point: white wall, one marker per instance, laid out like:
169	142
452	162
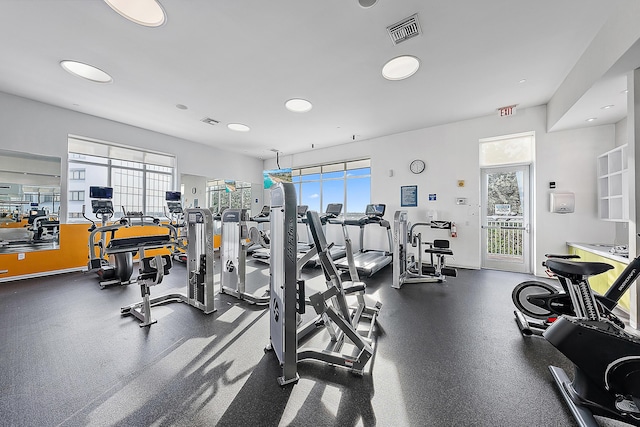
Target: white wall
195	189
34	127
451	153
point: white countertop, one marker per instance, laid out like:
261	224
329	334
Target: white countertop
601	249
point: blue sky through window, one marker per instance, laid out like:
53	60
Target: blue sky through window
317	190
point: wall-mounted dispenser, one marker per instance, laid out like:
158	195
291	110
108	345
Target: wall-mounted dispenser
562	202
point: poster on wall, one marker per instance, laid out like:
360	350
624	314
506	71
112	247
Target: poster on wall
276	175
409	196
229	186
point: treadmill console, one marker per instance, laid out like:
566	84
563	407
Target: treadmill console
333	210
264	215
302	210
375	210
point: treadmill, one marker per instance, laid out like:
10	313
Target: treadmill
258	251
368	261
330	216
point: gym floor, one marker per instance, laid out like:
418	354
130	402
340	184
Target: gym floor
447	355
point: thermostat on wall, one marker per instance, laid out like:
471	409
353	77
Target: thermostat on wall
562	202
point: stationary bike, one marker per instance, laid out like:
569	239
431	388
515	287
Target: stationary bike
606	358
545	303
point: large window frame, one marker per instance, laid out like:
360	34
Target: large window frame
346	182
139	178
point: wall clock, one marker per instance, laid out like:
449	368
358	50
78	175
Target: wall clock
417	166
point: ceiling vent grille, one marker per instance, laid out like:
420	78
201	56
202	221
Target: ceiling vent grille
405	29
210	121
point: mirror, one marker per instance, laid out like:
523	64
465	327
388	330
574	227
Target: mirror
29	202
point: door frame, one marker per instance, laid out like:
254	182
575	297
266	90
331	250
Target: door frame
525	265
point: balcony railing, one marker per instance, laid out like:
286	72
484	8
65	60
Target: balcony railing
505	237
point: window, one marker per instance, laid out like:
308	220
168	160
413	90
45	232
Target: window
348	183
75	196
228	194
507	150
139	178
77	174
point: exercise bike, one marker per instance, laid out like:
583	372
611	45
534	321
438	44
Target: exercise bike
544	303
606	358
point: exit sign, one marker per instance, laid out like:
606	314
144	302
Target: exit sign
507	111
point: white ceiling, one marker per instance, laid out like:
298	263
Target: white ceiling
239	61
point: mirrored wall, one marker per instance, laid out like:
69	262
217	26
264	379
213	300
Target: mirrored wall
29	202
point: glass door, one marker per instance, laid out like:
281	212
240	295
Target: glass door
505	219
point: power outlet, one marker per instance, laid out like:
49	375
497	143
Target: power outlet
20	256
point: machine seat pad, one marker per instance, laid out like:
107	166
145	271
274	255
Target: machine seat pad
49	223
136	242
439	251
353	287
564	267
149	270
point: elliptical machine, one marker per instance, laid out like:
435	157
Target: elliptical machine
110	273
176	218
606	358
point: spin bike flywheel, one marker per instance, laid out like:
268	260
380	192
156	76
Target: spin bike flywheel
521	293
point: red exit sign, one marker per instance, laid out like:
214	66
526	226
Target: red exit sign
507	111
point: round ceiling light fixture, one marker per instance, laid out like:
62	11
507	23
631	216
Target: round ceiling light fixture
401	67
367	3
143	12
298	105
86	71
238	127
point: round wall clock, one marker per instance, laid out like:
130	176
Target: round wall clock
417	166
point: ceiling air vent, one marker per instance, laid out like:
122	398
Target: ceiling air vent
210	121
405	29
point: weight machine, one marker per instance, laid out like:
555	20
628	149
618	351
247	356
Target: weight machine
233	257
407	268
200	274
287	295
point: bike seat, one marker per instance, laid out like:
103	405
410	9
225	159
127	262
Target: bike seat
562	256
564	267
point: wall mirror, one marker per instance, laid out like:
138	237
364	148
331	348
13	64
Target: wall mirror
29	202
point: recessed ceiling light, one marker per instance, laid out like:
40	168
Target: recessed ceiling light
522	81
181	107
298	105
401	67
367	3
144	12
625	91
590	119
86	71
238	127
606	107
